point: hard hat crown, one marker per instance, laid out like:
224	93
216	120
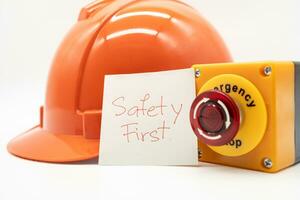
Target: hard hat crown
133	37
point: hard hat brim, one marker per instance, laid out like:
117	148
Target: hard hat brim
40	145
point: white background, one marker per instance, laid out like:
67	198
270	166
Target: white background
30	32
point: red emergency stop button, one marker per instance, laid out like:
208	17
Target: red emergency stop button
211	117
215	118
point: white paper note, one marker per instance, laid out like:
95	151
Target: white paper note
145	119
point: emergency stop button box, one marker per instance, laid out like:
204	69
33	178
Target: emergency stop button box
267	95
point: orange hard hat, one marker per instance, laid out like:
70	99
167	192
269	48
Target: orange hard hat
111	37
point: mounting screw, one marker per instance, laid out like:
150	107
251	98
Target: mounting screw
197	73
267	70
267	163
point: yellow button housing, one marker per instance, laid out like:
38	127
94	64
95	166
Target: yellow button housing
269	131
250	103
